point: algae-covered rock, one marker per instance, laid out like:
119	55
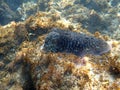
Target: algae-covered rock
25	66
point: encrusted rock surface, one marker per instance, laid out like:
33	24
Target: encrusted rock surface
24	66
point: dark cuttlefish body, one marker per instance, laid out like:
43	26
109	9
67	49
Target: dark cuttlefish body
75	43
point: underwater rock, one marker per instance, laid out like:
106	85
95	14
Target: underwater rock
93	4
77	43
20	33
95	22
30	68
14	4
7	43
6	14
